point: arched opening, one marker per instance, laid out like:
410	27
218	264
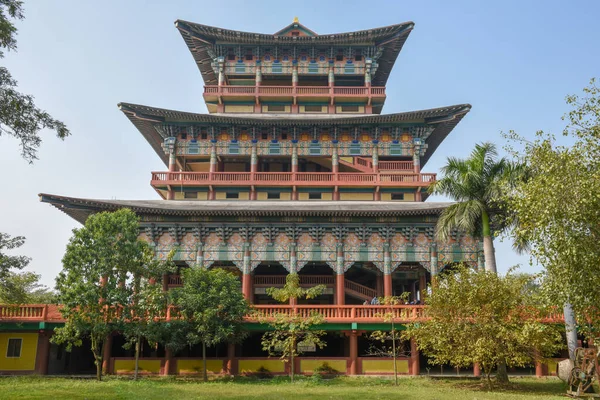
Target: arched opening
362	282
317	273
267	275
410	278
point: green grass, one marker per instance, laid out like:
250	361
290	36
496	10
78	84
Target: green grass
278	388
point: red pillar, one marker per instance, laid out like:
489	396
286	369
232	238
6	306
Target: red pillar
476	370
247	287
43	350
379	284
387	285
353	353
106	354
340	293
414	358
165	282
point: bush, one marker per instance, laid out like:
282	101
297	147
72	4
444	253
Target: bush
261	373
325	370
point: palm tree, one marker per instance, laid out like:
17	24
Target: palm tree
476	184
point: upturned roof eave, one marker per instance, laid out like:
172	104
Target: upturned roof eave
199	37
443	118
80	209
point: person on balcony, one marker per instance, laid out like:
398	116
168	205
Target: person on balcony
375	301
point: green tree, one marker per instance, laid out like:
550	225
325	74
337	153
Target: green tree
9	262
481	317
19	116
476	184
148	304
289	330
558	207
212	304
92	286
23	288
393	335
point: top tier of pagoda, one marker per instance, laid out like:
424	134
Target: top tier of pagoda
294	70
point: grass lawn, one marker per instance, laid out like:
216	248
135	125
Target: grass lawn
279	388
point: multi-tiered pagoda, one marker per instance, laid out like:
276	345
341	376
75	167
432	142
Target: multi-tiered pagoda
294	170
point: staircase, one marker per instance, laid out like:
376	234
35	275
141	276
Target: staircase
358	163
359	291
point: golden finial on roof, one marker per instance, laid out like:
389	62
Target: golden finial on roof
296	21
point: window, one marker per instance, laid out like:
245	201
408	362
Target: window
203	136
273	196
349	108
13	349
264	136
284	136
397	196
184	136
295	33
314	196
249	57
339	57
232	195
276	108
313	108
231	57
358	57
190	195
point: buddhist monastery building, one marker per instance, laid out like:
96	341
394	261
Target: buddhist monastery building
293	169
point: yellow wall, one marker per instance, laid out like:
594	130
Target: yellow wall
273	365
239	108
326	196
144	366
310	365
356	196
409	197
202	195
28	352
384	366
195	366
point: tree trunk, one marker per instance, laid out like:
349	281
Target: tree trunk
98	352
293	345
571	329
488	243
394	354
137	359
204	374
501	373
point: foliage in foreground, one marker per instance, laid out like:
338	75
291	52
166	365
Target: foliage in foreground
481	317
476	184
558	208
19	116
101	267
290	331
213	309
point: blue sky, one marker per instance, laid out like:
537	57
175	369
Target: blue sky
514	61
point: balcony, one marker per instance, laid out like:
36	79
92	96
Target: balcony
216	93
331	313
306	179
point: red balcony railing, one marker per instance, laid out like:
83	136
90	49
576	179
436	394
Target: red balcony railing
326	91
331	313
347	179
